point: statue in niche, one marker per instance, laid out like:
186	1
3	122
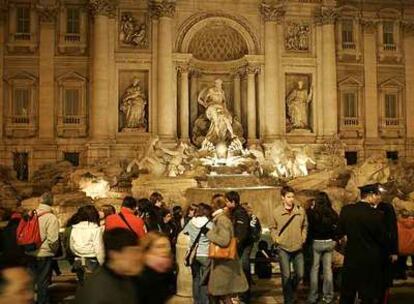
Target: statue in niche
297	103
133	33
133	104
297	37
216	125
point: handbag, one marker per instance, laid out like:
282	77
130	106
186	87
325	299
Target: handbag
191	253
223	253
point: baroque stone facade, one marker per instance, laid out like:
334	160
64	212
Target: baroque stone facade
66	67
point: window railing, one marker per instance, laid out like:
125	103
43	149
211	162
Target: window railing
72	119
348	45
350	121
390	47
20	119
392	122
22	36
72	37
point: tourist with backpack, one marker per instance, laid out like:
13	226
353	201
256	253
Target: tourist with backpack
38	233
127	218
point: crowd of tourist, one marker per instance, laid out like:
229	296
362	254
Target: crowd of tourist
129	256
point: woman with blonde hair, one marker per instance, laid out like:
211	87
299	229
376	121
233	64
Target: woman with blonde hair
227	279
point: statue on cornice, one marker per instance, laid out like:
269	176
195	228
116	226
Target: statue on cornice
298	106
133	104
220	129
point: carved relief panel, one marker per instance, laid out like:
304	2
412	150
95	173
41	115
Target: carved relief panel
299	98
134	30
297	37
133	101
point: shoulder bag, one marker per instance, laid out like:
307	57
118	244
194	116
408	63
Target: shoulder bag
223	253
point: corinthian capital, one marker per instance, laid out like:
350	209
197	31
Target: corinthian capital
162	8
272	12
327	15
252	68
103	7
47	13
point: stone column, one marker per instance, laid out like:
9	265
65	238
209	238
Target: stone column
236	95
184	103
371	81
167	109
154	79
101	9
112	114
409	85
329	88
272	14
251	71
47	16
195	74
260	101
3	12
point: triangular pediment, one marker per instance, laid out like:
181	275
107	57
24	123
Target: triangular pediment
22	75
349	11
391	83
350	81
71	76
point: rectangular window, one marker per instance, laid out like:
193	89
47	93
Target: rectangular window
388	33
72	157
73	21
23	20
21	165
391	107
347	32
351	157
350	105
21	105
71	106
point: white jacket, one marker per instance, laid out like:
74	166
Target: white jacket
86	241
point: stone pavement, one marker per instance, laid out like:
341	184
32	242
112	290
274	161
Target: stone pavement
263	291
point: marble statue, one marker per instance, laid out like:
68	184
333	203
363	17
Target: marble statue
133	104
133	33
214	100
158	160
302	158
298	106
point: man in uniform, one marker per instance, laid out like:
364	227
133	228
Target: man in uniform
365	261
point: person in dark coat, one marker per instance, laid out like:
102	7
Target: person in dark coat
365	259
113	282
392	243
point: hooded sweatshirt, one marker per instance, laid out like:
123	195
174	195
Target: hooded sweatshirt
193	228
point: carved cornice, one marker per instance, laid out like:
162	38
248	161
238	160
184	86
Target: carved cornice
47	13
272	12
369	25
103	7
408	27
162	8
327	15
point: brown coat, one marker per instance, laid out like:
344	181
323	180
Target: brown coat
226	276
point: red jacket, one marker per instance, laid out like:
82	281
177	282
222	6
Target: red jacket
136	223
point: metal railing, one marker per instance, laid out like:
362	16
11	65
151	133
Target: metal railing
72	37
22	36
392	122
72	119
350	121
390	47
348	45
20	119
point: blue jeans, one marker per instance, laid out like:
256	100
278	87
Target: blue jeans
198	269
41	269
322	250
290	281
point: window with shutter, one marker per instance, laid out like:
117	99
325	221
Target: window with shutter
21	106
71	106
73	21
